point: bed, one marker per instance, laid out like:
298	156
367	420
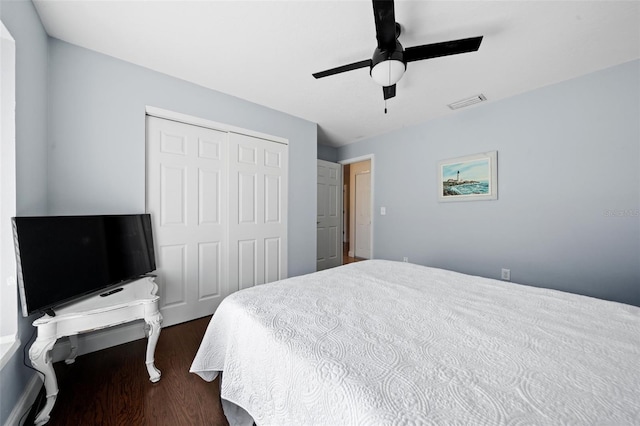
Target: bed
390	343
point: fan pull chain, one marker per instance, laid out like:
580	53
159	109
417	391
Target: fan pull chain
389	75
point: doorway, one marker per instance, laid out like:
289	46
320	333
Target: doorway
358	208
344	222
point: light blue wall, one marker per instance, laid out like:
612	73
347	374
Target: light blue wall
327	153
568	155
23	23
97	138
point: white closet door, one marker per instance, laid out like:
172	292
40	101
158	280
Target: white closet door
258	173
187	199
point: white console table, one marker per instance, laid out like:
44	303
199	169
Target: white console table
136	300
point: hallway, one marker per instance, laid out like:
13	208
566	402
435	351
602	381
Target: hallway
345	255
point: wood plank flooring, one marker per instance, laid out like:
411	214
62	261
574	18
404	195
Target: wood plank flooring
112	387
345	255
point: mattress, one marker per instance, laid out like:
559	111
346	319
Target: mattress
389	343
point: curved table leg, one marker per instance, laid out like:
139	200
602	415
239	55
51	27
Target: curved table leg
73	340
154	326
39	353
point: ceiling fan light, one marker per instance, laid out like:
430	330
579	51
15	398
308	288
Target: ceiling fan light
388	73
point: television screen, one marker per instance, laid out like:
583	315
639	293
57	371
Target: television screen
61	258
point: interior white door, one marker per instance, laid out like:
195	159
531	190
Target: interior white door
186	196
363	215
329	223
258	185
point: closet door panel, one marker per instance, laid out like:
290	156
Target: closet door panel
218	202
209	197
272	259
247	198
174	259
272	199
247	264
209	274
258	179
187	199
173	183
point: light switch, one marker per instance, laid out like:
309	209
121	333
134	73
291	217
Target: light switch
383	211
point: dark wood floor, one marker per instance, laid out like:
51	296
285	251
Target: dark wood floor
112	387
345	255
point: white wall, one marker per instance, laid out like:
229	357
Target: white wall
569	188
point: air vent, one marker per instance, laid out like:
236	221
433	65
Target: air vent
469	101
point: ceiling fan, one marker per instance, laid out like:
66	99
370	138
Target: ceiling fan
390	59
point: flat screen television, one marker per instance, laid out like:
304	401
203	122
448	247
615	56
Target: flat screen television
63	258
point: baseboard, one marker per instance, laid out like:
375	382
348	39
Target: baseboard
26	401
101	339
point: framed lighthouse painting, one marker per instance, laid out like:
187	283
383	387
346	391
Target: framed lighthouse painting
469	178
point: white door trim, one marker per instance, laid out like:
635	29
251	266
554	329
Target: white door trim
362	214
203	122
373	193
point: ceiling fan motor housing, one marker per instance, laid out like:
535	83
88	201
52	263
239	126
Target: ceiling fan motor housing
388	66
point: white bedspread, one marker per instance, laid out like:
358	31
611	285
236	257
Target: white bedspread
389	343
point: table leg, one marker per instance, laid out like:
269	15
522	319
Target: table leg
73	341
154	326
40	356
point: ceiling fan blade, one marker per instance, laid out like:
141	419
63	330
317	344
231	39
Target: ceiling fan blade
384	16
343	68
389	92
445	48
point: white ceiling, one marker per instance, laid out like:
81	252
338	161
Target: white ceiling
266	51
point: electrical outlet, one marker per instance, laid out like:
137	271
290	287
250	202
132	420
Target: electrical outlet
405	259
506	274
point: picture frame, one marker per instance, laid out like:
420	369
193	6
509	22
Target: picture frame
468	178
